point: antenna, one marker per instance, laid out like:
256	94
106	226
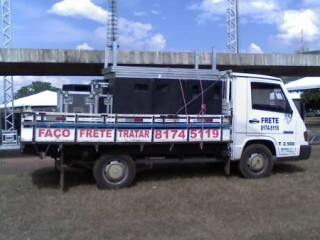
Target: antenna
9	135
232	26
113	33
302	41
7	80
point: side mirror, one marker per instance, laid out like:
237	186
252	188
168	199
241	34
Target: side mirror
288	109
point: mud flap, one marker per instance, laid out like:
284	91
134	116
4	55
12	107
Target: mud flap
61	168
227	167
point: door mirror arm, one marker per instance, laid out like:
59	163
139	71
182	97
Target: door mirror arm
288	110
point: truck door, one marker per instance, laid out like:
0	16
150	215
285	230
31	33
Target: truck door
270	116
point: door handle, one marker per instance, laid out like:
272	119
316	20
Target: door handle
254	121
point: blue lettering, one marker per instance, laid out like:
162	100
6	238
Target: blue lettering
270	120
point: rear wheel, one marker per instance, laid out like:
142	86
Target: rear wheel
256	161
114	171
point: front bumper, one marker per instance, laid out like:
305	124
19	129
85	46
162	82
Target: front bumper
305	152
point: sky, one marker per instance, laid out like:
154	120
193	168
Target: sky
266	26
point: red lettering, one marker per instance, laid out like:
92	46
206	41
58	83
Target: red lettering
57	133
108	133
126	133
82	132
193	133
166	134
135	133
146	134
41	132
120	131
182	134
208	133
157	134
54	133
66	133
174	131
95	133
141	134
201	133
89	133
215	133
131	134
48	133
100	133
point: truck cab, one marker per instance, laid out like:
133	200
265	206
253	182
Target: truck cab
266	122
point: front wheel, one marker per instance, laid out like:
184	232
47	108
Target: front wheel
256	162
114	171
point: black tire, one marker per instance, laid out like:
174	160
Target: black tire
114	171
256	162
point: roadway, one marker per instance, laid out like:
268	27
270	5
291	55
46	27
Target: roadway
59	62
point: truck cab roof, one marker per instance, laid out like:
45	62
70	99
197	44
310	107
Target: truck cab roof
265	77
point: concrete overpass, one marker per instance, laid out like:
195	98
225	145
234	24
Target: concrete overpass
90	63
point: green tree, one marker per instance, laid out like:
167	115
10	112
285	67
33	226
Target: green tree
33	88
311	99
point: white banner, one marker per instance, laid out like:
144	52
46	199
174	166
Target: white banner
95	135
134	135
55	134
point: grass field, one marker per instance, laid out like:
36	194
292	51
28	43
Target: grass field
171	202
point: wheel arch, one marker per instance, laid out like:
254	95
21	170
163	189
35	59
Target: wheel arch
268	143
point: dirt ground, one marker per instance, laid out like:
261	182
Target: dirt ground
168	202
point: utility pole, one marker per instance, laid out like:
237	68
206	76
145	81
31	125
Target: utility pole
9	135
113	32
233	26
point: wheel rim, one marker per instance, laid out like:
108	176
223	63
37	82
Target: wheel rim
115	172
256	162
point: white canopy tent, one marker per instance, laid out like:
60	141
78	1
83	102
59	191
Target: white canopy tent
295	95
304	84
43	99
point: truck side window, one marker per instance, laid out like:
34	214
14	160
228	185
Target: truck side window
268	97
164	88
140	87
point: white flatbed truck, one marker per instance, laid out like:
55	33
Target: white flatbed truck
258	126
